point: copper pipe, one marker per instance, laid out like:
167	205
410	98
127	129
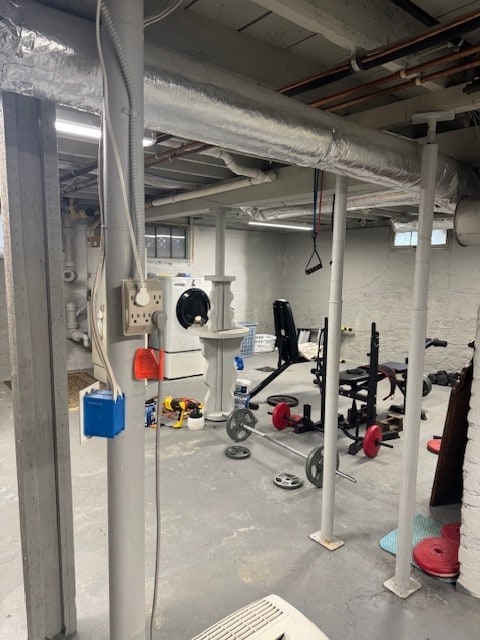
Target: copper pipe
342	69
423	37
158	158
392	52
443	73
401	73
76	173
178	152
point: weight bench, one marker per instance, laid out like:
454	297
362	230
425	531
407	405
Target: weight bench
286	341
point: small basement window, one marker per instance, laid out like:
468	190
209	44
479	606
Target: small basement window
166	243
410	238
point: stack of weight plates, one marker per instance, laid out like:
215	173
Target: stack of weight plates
439	556
434	445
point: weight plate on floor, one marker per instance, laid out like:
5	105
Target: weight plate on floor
287	481
292	401
237	452
437	557
236	422
314	466
373	436
434	445
280	416
427	386
451	531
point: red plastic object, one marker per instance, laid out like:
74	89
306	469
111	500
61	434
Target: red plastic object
437	557
280	416
371	441
434	445
146	366
451	531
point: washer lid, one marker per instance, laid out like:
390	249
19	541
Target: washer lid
192	303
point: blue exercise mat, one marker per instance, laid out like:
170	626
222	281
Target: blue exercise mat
423	527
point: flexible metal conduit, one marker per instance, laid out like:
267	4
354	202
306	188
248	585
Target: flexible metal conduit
200	102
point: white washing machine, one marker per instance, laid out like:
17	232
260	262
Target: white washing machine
185	302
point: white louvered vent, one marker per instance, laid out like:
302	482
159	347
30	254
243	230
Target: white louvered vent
268	619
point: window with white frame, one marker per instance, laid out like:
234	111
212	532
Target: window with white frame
163	242
410	238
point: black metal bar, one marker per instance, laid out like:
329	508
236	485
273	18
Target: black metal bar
373	376
269	379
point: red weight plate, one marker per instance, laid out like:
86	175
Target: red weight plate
280	416
434	445
437	557
373	436
451	531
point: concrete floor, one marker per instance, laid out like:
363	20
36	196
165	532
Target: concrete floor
230	536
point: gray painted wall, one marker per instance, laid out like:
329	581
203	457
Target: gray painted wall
378	287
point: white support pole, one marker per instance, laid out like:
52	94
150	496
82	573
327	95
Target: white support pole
220	243
126	452
402	584
325	536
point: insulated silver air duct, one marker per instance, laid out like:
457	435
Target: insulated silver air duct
364	202
52	55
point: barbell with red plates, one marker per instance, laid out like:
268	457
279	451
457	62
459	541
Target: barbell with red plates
240	426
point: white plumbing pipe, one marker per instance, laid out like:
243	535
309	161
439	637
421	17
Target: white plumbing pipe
325	535
222	187
69	272
73	331
232	164
402	584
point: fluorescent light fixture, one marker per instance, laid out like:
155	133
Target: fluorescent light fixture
87	131
275	225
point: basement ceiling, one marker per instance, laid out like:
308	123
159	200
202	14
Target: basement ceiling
279	47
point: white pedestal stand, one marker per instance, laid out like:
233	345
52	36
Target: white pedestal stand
220	344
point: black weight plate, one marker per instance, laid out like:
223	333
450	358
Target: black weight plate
287	481
236	421
292	401
237	452
314	466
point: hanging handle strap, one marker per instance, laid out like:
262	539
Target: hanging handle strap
314	262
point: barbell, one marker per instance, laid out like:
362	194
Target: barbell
240	426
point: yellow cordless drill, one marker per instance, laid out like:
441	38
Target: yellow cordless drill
182	405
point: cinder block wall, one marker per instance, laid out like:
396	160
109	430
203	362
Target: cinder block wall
378	287
253	257
469	554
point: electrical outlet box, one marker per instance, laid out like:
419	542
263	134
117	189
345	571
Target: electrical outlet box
102	415
138	320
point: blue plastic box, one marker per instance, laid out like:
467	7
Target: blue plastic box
102	415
